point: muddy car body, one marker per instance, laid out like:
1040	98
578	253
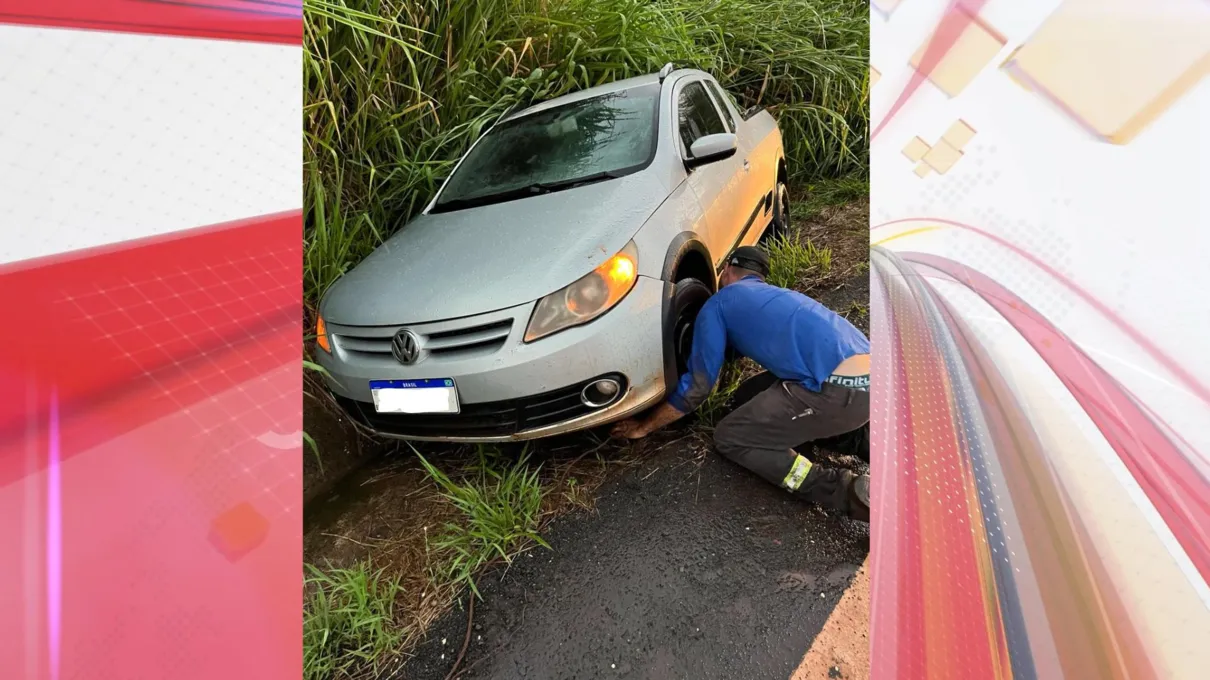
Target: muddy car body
551	284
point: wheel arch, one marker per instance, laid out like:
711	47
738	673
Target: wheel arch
687	257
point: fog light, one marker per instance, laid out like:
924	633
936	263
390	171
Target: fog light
601	393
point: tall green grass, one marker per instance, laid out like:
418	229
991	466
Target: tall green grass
500	504
790	260
348	621
809	200
716	405
395	90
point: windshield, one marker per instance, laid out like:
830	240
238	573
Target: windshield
590	140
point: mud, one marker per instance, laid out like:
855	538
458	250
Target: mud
341	449
690	568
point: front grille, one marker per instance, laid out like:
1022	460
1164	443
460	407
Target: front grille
490	419
452	343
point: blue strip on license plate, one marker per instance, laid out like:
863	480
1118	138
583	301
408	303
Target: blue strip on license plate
410	384
428	395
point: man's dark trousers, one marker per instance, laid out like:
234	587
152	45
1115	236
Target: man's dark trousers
771	417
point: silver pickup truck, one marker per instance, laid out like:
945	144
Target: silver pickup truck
552	283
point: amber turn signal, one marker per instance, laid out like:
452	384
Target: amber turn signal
321	336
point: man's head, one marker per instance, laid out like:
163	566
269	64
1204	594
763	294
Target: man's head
744	262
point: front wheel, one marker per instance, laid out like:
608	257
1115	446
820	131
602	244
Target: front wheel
687	300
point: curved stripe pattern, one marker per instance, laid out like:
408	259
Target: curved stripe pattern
985	562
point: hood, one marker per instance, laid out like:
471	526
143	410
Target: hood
466	262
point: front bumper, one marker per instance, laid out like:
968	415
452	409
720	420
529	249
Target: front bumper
509	390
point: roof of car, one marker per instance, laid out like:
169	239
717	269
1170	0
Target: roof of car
591	92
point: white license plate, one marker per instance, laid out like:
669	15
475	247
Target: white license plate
415	396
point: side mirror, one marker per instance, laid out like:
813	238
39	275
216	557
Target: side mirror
712	148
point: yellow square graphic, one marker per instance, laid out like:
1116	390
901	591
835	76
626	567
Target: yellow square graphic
874	76
1116	65
942	157
922	169
976	45
959	134
916	149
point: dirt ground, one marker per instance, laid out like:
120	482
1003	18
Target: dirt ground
845	230
611	528
842	647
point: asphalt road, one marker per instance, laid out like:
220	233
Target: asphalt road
682	572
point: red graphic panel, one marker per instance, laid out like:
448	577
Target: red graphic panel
150	497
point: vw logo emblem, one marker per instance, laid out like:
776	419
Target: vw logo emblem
406	347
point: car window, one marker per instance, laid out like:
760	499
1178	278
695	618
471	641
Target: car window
721	100
606	136
696	115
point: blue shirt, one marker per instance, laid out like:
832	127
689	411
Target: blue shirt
789	334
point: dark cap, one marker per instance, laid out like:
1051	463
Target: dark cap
750	257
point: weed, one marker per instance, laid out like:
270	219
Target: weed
500	508
715	407
314	446
310	441
857	309
790	260
348	620
577	495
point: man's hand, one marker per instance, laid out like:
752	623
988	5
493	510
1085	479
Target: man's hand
631	428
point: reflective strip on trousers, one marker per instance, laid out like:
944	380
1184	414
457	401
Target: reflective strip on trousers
797	473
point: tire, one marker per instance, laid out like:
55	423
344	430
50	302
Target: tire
687	300
780	225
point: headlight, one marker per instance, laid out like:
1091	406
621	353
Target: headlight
587	298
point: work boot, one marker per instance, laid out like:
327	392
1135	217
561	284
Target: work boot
859	499
837	488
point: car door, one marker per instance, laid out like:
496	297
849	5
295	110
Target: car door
718	185
758	174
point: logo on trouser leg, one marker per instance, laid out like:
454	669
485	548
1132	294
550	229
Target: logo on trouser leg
798	472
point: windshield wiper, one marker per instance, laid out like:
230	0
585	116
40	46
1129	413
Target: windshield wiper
578	181
487	199
535	189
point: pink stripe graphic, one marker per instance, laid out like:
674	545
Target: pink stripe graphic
54	541
1156	463
195	312
182	347
1151	348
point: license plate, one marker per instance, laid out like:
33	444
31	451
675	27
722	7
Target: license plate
415	396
